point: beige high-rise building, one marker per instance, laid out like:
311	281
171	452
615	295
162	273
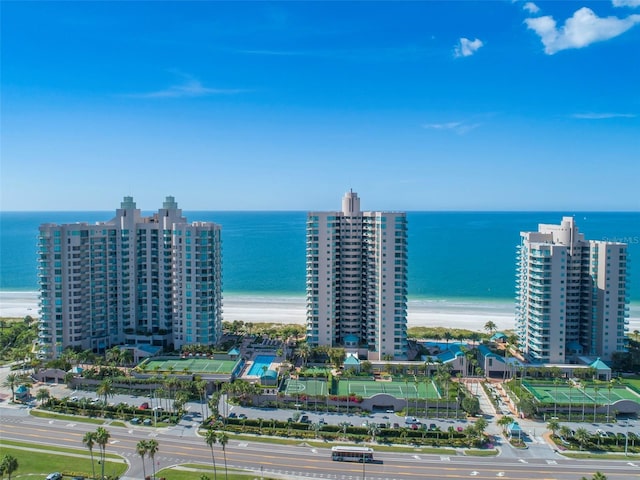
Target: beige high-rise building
572	295
357	280
132	280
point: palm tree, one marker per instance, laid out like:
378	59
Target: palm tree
373	431
564	431
570	404
152	448
504	422
89	440
223	439
595	401
141	449
554	426
11	382
102	438
609	387
490	327
8	465
42	395
582	436
211	438
105	389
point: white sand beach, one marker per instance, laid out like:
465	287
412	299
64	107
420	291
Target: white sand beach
434	313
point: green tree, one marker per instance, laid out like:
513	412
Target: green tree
554	426
102	438
337	356
142	449
89	440
471	405
105	389
42	395
504	422
211	439
8	465
490	327
223	439
12	382
582	436
152	449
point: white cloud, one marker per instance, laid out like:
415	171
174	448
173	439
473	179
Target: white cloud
458	127
191	87
581	30
531	7
601	116
626	3
466	47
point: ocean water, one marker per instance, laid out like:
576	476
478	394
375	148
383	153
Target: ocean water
453	256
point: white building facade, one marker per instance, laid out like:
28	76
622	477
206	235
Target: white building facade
572	296
133	280
357	280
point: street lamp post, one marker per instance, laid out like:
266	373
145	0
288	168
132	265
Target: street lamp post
626	440
363	464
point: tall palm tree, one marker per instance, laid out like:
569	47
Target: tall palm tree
89	440
11	382
105	389
223	439
504	422
102	438
142	449
582	436
152	448
609	387
490	327
42	395
211	439
570	404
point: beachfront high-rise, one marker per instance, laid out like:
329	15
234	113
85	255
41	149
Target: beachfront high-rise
572	295
357	280
133	280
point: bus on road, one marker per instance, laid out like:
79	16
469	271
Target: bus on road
352	454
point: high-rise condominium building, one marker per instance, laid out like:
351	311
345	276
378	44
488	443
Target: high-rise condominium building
132	280
357	280
572	295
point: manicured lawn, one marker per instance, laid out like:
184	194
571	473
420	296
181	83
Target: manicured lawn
195	471
40	460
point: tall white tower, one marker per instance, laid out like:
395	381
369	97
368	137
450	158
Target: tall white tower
571	295
132	280
357	280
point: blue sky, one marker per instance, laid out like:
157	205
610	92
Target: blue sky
495	105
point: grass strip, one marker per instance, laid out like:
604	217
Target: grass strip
32	461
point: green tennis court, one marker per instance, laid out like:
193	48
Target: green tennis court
368	388
191	365
305	386
550	393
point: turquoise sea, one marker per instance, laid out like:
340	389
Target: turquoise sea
452	255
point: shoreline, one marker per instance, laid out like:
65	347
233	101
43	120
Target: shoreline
260	308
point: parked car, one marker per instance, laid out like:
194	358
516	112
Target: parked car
305	419
242	415
233	415
144	406
411	420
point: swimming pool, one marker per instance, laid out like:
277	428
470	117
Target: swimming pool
258	363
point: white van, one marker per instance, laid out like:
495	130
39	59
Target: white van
411	421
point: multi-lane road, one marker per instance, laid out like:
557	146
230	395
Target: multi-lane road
181	444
